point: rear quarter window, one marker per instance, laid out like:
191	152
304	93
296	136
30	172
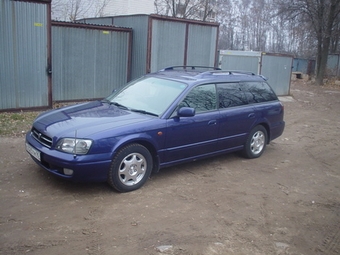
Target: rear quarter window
258	92
230	95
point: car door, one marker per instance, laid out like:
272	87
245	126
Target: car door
236	116
190	137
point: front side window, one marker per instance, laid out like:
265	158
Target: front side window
230	95
202	98
258	92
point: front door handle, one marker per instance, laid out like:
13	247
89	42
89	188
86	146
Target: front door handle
212	122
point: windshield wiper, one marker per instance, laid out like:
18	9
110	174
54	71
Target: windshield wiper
120	105
133	110
144	112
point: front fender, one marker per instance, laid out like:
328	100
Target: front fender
154	142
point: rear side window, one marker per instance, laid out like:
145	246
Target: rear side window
230	95
258	92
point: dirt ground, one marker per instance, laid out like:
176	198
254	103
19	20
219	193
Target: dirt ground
286	202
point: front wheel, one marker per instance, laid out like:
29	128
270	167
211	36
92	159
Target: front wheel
130	168
256	142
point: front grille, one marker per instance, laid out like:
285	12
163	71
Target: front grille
41	138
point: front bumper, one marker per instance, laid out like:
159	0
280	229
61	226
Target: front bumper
86	168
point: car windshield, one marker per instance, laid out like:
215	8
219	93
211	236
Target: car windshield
148	95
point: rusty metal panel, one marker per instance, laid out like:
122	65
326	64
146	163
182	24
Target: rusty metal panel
88	61
167	44
202	41
24	30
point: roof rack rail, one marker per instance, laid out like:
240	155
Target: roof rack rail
264	77
190	67
229	72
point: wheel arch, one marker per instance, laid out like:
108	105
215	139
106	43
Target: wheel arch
266	126
153	153
144	142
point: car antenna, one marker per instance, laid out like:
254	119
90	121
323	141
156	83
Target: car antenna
75	144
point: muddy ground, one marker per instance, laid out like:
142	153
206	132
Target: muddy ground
286	202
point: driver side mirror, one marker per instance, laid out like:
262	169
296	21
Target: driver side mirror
186	112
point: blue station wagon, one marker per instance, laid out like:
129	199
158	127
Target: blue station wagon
176	115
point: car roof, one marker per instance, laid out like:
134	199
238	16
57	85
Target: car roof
200	74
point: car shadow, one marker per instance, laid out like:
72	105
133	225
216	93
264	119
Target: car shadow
53	184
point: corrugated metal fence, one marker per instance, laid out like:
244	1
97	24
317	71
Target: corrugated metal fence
276	67
24	54
333	65
305	66
165	41
43	61
88	61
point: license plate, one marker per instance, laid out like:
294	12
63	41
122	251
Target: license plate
35	153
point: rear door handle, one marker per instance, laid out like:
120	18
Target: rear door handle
251	115
212	122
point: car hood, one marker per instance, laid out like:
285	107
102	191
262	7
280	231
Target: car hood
86	119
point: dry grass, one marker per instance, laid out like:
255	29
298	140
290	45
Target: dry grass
16	123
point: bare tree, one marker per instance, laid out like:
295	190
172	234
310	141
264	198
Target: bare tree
260	21
207	9
335	39
228	31
322	15
188	9
71	10
100	7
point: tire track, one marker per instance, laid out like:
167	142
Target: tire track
331	244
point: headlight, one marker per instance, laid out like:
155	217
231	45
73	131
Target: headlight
74	145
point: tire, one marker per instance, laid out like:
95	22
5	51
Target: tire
256	142
130	168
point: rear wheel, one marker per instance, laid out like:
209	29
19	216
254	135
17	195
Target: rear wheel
130	168
256	142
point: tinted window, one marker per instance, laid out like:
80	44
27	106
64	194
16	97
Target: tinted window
258	92
230	94
202	98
